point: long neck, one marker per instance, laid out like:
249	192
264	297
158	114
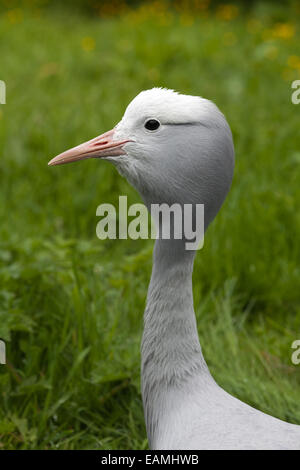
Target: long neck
171	352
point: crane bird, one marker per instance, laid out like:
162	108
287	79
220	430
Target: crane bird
176	148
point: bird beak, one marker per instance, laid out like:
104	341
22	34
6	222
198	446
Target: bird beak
101	146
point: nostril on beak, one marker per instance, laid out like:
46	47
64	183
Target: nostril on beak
102	142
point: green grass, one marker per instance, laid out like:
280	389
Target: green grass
71	305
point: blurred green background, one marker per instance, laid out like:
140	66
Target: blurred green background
71	305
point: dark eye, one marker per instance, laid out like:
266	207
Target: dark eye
152	124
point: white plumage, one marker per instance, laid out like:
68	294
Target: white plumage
188	158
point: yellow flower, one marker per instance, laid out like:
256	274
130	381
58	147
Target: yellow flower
15	16
201	4
294	62
186	19
88	44
283	31
227	12
113	8
165	19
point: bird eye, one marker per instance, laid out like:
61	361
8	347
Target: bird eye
152	124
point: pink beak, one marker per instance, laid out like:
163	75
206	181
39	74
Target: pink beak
101	146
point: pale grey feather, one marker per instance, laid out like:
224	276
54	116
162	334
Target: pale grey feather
188	163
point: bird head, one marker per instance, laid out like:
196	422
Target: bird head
172	148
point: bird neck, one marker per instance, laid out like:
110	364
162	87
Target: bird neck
171	351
